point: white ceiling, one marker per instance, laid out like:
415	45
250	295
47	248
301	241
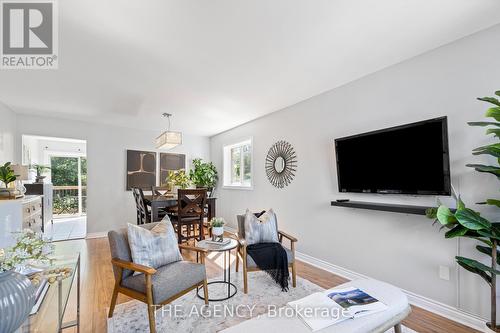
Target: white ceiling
219	63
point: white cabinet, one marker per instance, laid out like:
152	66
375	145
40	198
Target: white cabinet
44	189
19	214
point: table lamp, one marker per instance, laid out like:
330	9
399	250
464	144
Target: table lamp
22	173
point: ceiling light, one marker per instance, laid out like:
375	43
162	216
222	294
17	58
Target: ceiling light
168	139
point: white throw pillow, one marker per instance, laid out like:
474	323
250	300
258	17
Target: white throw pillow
262	229
153	248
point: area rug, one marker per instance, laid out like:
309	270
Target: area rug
189	314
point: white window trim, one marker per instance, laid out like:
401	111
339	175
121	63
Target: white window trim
226	149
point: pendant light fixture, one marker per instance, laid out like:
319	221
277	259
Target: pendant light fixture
168	139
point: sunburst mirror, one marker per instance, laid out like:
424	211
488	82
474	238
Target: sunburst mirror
281	164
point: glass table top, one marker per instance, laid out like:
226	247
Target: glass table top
46	319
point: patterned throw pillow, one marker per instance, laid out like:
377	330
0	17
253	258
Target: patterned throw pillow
154	248
262	229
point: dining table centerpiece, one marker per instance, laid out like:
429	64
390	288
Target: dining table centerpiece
178	179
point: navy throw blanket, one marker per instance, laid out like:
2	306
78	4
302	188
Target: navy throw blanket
271	258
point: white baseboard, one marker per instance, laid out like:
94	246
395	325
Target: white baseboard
96	235
425	303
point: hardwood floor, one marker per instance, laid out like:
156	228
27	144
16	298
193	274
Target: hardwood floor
97	285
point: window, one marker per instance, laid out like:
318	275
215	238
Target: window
238	165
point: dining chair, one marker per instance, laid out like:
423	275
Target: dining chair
163	191
190	214
159	190
143	213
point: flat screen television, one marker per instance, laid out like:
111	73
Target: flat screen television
407	159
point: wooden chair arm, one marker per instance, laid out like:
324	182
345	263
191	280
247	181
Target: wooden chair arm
233	235
192	248
242	242
133	267
284	234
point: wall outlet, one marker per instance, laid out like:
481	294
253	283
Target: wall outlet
444	273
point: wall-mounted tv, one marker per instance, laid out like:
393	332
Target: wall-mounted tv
407	159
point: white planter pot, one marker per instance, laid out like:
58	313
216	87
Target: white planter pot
217	231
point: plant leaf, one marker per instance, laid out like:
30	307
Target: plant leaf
488	234
491	100
475	267
493	150
483	123
494	145
485	168
493	202
445	216
457	231
497	92
493	113
477	264
487	250
479	238
471	220
460	203
431	213
495	131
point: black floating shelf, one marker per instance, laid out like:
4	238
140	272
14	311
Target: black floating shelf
406	209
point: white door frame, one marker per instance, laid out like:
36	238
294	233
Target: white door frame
48	154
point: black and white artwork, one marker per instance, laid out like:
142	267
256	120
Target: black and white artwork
141	169
170	162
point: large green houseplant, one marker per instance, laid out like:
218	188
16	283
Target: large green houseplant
203	174
465	222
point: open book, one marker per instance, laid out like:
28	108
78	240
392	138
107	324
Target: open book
320	310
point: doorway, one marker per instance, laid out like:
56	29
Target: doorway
65	163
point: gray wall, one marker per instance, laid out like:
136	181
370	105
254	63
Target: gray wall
7	134
109	205
402	249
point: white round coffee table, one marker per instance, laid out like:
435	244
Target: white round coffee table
226	250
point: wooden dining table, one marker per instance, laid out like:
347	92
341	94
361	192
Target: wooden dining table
158	202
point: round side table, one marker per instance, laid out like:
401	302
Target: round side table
226	251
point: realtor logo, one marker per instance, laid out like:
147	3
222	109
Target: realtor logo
29	34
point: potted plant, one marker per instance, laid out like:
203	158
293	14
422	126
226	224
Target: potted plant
178	179
7	177
204	174
40	170
465	222
217	225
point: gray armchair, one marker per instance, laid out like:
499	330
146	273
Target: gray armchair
155	287
249	264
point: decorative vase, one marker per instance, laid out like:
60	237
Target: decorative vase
17	298
20	187
217	231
